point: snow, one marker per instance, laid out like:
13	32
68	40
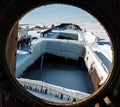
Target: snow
97	29
89	38
105	49
34	33
47	97
68	34
95	62
106	61
93	41
53	90
30	26
22	56
63	48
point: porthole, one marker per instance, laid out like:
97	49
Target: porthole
11	66
51	53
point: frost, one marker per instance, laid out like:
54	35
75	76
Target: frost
53	90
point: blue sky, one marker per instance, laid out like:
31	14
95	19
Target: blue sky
57	13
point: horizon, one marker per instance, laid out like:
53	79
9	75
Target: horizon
56	14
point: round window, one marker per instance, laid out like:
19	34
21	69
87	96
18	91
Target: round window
59	54
63	53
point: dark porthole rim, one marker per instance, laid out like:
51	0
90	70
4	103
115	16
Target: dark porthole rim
84	100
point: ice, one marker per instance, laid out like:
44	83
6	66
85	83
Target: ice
64	48
49	89
92	41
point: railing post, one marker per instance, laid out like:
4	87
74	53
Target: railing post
41	64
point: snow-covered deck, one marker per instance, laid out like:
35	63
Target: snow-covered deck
83	47
64	48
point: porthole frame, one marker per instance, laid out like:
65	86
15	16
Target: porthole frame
99	9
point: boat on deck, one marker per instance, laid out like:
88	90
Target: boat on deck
65	47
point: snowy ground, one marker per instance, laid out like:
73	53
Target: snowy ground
97	29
